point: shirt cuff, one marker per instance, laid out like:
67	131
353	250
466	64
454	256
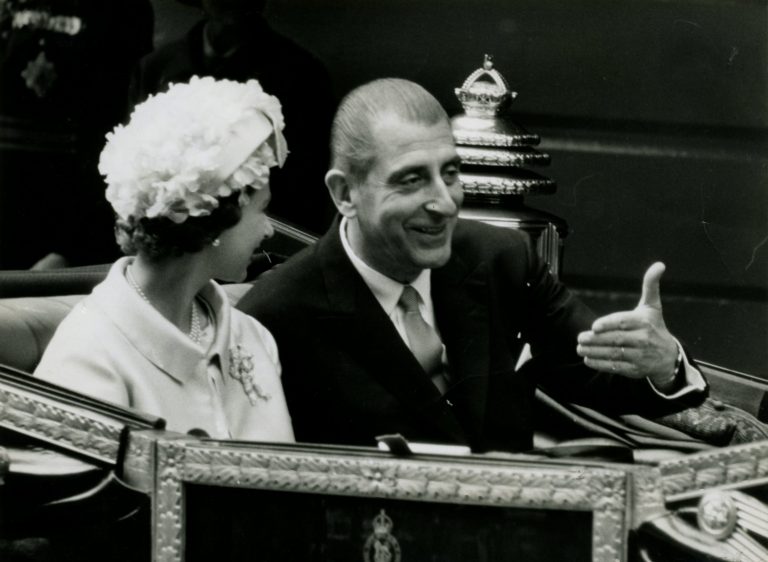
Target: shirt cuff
694	380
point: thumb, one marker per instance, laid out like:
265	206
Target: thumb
651	296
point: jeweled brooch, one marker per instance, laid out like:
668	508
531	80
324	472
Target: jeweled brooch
241	368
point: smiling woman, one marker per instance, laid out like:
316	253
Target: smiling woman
188	178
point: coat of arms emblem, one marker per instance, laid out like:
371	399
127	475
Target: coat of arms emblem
381	545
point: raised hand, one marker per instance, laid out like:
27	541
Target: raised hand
634	343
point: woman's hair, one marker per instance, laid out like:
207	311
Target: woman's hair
159	238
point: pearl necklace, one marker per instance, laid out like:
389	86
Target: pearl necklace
195	331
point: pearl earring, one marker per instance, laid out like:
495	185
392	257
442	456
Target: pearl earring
216	243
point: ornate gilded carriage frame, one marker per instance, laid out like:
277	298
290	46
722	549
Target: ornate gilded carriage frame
477	481
64	419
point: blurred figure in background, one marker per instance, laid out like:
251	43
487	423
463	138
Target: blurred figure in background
234	41
65	67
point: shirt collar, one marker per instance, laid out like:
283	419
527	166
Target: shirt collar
386	290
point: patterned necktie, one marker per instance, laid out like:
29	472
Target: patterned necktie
424	341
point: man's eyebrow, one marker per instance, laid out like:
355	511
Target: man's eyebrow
402	172
455	161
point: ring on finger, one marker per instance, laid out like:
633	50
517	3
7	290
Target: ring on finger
622	352
613	367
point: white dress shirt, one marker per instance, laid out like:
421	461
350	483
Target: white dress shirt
387	291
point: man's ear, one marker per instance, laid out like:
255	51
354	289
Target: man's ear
340	190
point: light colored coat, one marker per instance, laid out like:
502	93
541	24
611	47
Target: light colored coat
115	346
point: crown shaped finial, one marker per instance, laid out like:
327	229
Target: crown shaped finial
382	524
484	91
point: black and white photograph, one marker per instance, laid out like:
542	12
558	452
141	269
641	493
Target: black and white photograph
383	280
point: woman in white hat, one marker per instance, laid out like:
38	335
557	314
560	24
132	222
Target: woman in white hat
188	178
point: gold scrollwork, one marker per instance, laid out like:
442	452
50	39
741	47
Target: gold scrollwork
38	418
692	475
601	491
168	503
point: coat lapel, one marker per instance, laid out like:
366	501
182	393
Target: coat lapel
370	338
460	296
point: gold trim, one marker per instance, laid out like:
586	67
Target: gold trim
139	463
511	484
734	467
168	504
94	436
648	498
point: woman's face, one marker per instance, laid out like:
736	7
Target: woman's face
238	243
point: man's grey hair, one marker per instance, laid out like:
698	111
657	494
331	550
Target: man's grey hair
352	144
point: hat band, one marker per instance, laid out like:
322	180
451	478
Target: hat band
245	137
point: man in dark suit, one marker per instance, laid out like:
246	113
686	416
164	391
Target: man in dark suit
405	319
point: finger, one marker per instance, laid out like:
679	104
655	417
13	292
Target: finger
615	353
625	320
651	295
622	368
609	339
615	338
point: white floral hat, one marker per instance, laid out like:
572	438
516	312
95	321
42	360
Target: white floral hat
190	145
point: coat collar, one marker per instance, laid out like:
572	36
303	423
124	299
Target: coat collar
152	334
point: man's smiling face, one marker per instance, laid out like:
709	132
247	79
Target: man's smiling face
407	206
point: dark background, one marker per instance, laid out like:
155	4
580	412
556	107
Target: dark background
655	114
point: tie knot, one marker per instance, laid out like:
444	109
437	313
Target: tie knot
409	299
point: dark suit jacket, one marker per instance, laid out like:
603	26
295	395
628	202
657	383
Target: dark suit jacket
349	377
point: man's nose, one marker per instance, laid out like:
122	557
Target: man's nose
443	200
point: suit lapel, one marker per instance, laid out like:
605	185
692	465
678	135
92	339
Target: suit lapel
369	336
460	296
